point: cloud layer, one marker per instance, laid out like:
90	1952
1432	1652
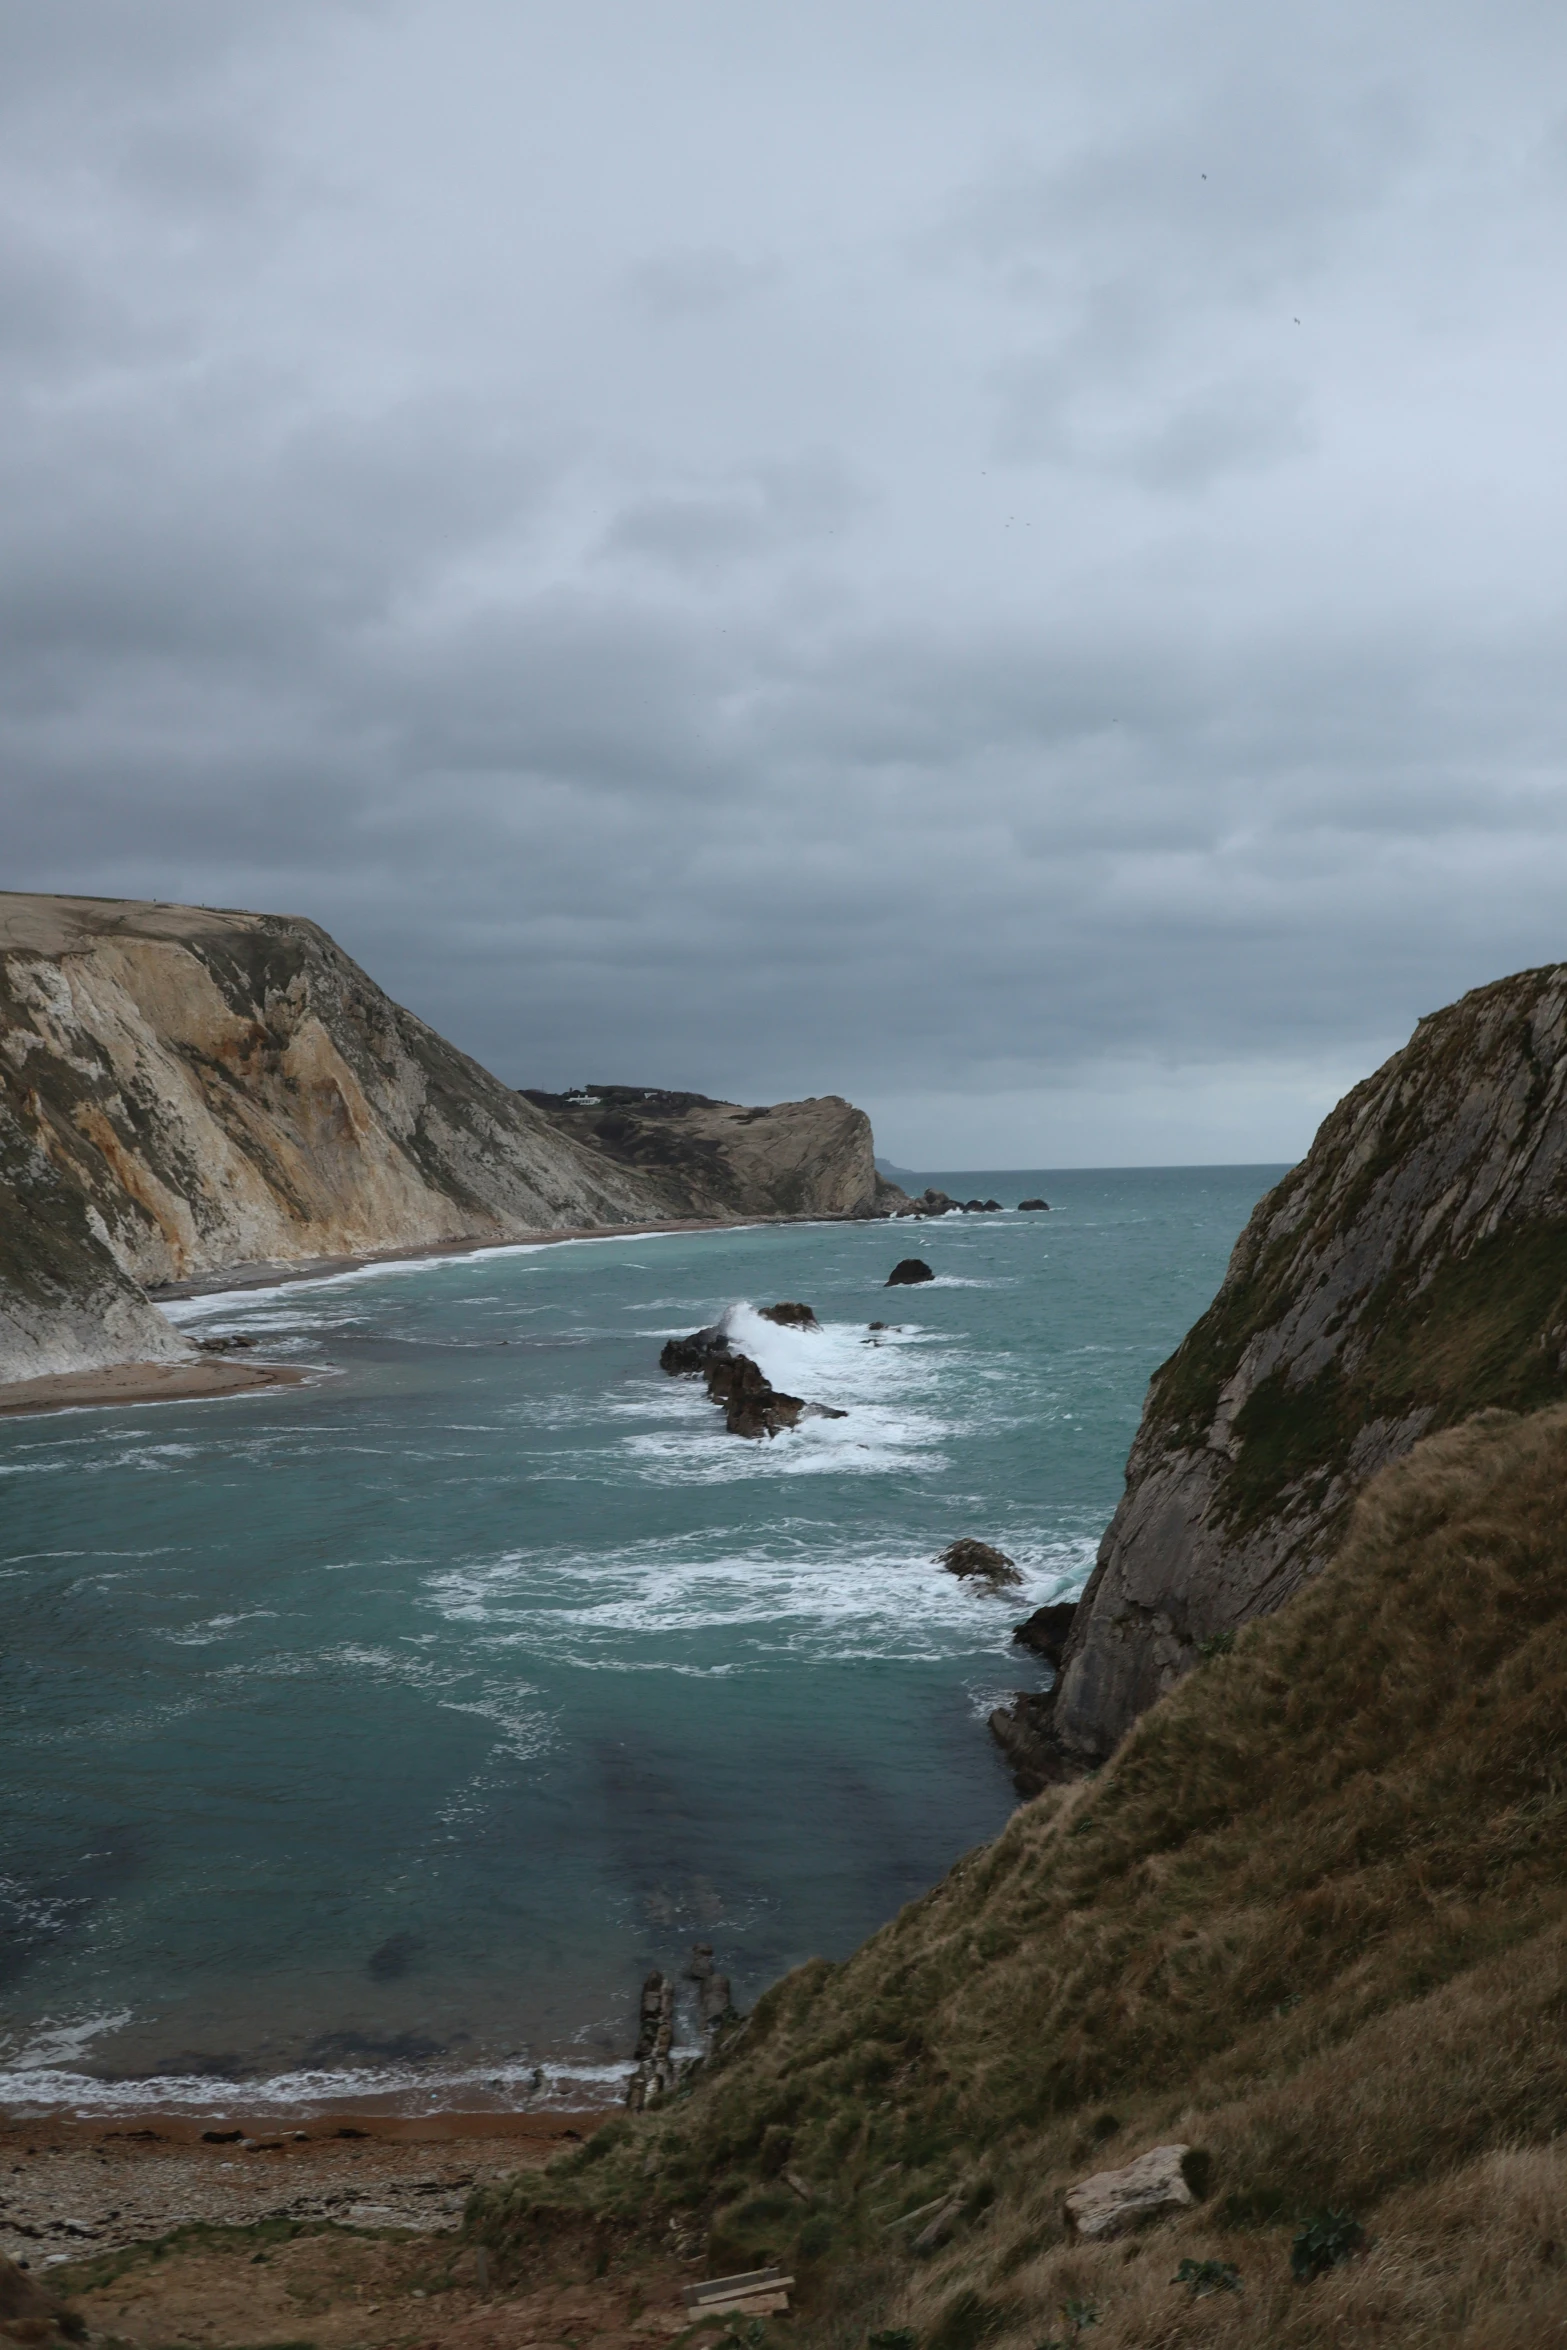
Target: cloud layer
1006	565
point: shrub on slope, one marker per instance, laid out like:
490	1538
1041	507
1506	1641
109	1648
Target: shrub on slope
1312	1919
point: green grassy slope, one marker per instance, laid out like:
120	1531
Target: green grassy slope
1311	1919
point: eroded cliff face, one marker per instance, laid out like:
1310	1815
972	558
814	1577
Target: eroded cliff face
722	1160
183	1089
1410	1272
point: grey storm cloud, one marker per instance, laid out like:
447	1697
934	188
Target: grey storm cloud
1008	566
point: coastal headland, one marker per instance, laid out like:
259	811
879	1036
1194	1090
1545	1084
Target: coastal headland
190	1093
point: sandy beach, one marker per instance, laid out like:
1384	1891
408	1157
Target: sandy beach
207	1380
265	1275
216	1379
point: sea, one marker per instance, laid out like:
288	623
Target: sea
369	1741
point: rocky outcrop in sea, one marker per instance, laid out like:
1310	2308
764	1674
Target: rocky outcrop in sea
752	1406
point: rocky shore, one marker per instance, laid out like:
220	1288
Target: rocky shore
74	2187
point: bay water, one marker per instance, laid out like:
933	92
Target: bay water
371	1739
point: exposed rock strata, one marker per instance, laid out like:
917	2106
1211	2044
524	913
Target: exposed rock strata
752	1405
1410	1272
1047	1630
183	1089
657	2068
722	1160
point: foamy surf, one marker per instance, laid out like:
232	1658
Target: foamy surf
497	1648
516	2085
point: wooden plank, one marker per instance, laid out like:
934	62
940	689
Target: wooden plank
750	2280
769	2304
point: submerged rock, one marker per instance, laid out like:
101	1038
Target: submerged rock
979	1560
907	1271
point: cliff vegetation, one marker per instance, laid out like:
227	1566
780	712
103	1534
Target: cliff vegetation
1311	1920
717	1160
1410	1271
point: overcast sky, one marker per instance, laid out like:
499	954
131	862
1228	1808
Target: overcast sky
1006	560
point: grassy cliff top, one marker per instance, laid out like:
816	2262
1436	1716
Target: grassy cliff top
35	924
1311	1920
1414	1262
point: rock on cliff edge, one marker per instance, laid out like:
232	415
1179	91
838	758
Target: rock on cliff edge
1411	1271
183	1089
720	1159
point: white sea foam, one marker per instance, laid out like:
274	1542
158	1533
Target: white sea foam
968	1281
188	1309
885	1381
37	2084
202	1634
611	1609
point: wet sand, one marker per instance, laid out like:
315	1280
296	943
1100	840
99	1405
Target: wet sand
202	1381
264	1275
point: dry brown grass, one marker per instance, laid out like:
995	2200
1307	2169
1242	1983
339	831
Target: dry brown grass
1312	1918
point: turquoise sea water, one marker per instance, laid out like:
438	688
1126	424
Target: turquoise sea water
377	1736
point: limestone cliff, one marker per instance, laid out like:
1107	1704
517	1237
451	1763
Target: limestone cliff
183	1089
722	1160
1411	1271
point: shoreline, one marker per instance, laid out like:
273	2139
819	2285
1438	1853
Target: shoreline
215	1380
315	2125
260	1274
80	2187
218	1381
204	1381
